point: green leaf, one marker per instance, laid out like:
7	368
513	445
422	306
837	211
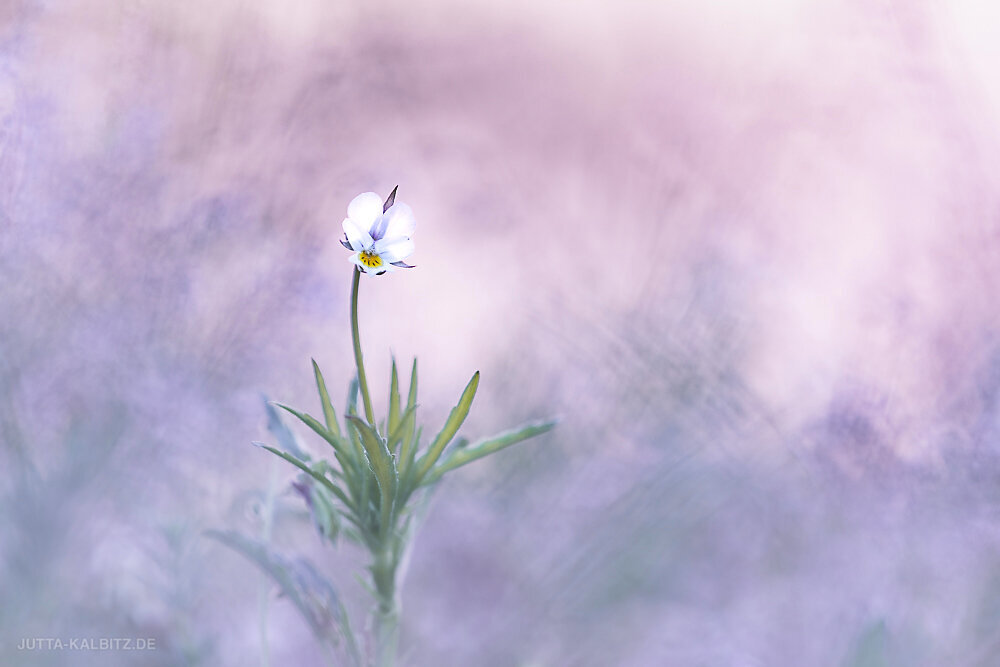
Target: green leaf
451	426
461	456
383	464
318	476
411	399
407	470
871	648
279	429
323	467
394	417
352	397
314	424
408	447
325	516
329	414
404	426
312	594
364	469
339	447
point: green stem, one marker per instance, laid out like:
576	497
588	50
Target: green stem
386	637
386	607
362	379
384	565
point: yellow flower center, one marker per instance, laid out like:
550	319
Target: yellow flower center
370	259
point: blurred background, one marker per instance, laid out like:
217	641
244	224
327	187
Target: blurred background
749	252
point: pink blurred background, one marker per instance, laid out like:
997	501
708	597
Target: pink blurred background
748	252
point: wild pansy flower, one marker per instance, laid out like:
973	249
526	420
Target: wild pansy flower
379	233
376	484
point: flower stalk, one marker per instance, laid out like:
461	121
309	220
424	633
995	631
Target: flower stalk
358	358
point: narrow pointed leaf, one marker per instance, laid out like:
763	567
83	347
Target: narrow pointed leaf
325	516
872	648
411	399
394	416
352	397
404	425
339	446
318	476
476	451
408	446
286	437
312	594
408	469
329	414
364	468
381	459
324	468
451	426
280	569
312	423
383	464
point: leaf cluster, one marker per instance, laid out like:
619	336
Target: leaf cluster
366	490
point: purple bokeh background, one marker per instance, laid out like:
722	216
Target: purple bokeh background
749	253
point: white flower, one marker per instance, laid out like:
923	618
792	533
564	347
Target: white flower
379	234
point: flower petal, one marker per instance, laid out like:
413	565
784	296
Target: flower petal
399	221
392	250
365	209
358	237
